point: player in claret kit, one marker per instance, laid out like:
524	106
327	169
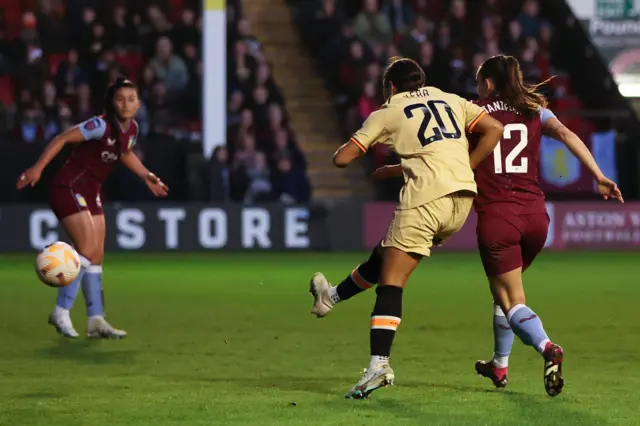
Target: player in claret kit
74	197
512	215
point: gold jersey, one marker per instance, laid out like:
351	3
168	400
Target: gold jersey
427	130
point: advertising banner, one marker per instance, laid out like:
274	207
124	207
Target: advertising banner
199	227
160	227
593	225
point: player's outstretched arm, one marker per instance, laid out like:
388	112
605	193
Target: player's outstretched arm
490	131
558	131
154	183
31	176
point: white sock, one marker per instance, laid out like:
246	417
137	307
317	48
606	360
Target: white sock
376	361
61	312
333	293
501	361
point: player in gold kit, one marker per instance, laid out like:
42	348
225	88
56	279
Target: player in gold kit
426	128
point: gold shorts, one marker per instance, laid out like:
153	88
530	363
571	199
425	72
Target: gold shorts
416	230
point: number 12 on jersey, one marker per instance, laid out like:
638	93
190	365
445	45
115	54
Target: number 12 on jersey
511	131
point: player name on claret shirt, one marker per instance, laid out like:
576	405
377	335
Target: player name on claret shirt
498	106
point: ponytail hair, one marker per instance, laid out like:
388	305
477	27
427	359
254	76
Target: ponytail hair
405	74
509	83
110	114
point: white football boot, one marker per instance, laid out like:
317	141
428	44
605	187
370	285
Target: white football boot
99	328
374	378
320	289
61	321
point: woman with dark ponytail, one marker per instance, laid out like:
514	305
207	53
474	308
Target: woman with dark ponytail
98	144
512	214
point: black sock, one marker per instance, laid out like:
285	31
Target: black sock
365	276
385	319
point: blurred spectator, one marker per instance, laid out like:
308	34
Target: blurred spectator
372	25
234	108
458	23
409	44
217	176
70	74
169	68
186	31
260	188
400	14
367	102
289	185
32	74
530	19
51	28
120	30
83	108
513	41
284	146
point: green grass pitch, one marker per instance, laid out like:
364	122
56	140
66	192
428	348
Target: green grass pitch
227	339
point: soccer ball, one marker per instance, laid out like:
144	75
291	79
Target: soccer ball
58	264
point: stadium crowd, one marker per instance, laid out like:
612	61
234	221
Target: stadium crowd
57	57
262	156
449	38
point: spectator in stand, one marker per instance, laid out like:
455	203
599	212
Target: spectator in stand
186	31
400	15
513	41
120	30
459	23
325	26
30	128
260	188
34	71
243	64
148	80
434	69
263	78
367	102
83	109
70	74
159	104
51	28
409	43
353	66
530	70
98	42
234	108
245	157
193	93
285	146
290	185
217	177
254	47
169	68
444	37
260	107
530	19
372	25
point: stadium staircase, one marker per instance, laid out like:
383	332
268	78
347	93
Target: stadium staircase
308	103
